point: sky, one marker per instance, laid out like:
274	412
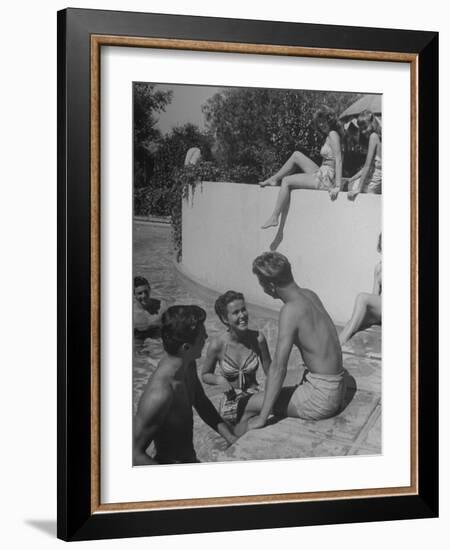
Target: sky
185	106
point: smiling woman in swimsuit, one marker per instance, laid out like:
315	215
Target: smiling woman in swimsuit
234	356
326	177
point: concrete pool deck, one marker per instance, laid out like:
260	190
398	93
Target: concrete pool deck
355	431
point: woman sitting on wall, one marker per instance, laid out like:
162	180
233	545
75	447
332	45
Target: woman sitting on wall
237	353
368	179
367	308
326	177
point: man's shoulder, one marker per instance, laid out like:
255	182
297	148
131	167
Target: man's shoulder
157	394
295	311
294	306
163	375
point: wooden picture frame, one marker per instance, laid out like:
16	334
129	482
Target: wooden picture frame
81	35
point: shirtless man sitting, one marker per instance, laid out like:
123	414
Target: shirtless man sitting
147	311
305	323
164	413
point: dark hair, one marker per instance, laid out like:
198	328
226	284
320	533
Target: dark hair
367	119
328	115
222	302
273	267
141	281
181	325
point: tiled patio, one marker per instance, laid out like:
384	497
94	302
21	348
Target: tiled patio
356	430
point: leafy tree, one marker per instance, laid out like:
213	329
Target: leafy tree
147	103
259	128
167	160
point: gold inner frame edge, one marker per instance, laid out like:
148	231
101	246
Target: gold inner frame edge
97	41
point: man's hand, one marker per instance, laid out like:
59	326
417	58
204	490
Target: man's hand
226	433
256	422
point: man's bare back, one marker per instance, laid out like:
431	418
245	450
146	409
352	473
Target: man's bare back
315	335
304	323
173	438
164	414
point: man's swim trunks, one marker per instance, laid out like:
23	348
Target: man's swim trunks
319	395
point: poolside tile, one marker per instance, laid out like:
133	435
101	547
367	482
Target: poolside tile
366	372
356	430
272	443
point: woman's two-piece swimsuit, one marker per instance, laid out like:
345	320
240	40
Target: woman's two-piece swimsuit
373	180
325	175
244	373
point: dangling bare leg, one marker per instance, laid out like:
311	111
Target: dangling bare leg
367	312
280	233
297	181
295	161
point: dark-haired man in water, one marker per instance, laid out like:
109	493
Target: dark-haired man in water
147	311
164	414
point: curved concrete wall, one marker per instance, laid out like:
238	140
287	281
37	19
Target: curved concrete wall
331	246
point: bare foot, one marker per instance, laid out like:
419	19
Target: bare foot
269	181
271	222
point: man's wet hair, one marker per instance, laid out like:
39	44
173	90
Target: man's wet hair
181	325
222	302
140	281
273	267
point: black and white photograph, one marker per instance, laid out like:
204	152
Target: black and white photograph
257	274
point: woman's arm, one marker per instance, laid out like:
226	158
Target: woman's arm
209	365
373	142
208	413
335	142
264	352
355	176
377	280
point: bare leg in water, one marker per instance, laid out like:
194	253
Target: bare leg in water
367	312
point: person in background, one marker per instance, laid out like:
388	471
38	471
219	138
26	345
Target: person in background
367	308
147	311
369	178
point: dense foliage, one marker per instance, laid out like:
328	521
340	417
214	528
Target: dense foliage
250	133
147	103
259	128
168	159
